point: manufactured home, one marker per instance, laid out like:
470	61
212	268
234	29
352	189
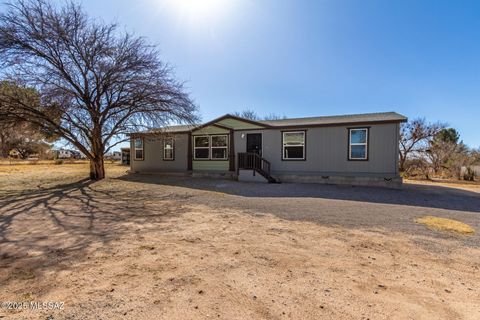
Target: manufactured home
67	154
359	149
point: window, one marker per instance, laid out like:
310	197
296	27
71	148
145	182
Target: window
219	147
293	145
138	148
358	144
201	147
168	152
211	147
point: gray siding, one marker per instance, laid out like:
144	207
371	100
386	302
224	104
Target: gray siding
327	151
153	155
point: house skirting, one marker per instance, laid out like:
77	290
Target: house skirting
369	181
250	176
166	173
230	175
394	182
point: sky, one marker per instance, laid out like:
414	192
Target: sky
299	58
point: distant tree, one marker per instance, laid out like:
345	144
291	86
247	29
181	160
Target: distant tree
17	134
415	137
475	157
417	166
448	135
6	130
467	171
95	82
274	116
444	149
247	114
28	140
252	115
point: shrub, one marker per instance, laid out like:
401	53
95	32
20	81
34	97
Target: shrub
469	174
58	161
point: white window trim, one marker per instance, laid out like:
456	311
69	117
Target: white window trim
293	145
195	147
135	149
210	147
357	143
225	147
165	148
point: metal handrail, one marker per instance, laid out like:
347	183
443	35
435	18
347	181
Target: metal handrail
251	160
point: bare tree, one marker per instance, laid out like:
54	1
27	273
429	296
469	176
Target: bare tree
274	116
247	114
252	115
415	136
475	156
96	84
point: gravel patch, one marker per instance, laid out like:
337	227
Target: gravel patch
368	208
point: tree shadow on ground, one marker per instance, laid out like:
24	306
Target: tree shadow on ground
44	230
437	197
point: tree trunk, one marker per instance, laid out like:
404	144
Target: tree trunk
97	168
4	151
402	163
3	146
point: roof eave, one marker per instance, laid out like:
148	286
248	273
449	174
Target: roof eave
144	133
336	124
213	122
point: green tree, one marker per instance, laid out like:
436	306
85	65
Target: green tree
445	151
448	135
16	133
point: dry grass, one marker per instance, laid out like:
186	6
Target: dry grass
126	249
20	162
444	224
456	184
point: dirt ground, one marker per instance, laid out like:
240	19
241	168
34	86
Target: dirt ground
153	247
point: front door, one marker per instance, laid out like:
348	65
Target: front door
254	143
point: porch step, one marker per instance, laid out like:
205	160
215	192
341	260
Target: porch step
252	175
254	163
273	180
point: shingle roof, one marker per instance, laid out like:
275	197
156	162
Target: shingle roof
173	129
342	119
295	122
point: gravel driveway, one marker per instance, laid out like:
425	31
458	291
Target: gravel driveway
156	247
353	207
